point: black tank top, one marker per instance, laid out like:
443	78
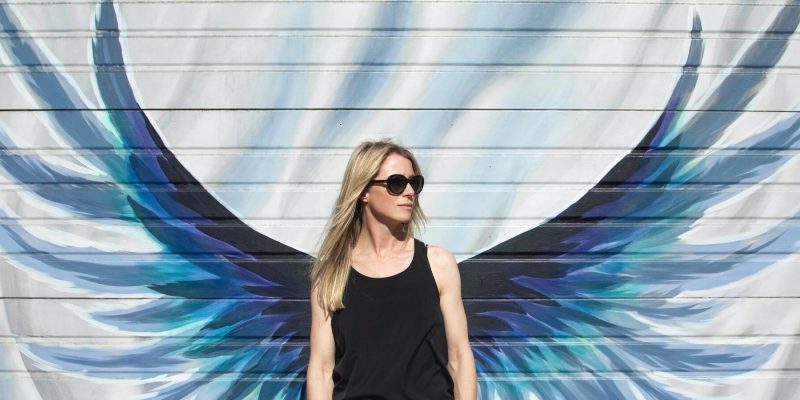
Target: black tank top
390	340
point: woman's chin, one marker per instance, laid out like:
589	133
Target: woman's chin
404	219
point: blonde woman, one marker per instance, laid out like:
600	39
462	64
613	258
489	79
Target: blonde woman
387	319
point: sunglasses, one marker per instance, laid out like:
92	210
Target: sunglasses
396	184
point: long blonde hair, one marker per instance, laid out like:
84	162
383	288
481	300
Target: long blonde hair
331	268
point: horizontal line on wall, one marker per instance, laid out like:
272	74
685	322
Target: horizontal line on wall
394	68
499	32
518	255
560	110
493	151
467	299
476	342
495	378
437	222
486	109
460	152
303	261
605	222
181	151
515	221
594	299
601	2
716	373
301	339
577	259
404	33
527	374
438	187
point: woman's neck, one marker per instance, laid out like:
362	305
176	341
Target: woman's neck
380	239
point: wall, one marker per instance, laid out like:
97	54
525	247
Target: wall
618	182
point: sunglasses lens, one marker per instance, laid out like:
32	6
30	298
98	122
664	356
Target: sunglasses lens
396	184
417	182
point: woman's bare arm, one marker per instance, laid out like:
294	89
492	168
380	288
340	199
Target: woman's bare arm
461	363
319	381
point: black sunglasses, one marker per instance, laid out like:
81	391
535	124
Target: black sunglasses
396	183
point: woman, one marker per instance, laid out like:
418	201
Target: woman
387	320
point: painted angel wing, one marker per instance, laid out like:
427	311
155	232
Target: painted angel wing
576	307
219	296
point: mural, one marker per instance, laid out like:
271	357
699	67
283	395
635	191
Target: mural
624	229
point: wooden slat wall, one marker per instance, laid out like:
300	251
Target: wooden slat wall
563	88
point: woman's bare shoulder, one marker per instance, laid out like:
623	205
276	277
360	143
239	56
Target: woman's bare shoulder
439	255
443	265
